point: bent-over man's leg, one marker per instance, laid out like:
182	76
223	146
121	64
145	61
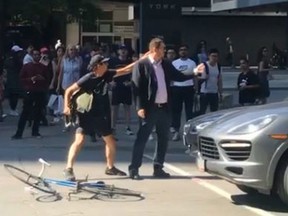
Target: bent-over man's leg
75	149
72	154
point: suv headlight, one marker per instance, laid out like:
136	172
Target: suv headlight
253	126
186	128
203	125
198	125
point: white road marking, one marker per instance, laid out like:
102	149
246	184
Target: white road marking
211	187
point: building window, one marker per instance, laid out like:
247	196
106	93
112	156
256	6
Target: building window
105	15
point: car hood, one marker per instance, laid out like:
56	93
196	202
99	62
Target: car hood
240	116
215	115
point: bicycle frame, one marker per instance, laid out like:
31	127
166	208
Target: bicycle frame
66	183
98	189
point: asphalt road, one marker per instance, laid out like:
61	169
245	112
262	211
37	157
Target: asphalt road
188	192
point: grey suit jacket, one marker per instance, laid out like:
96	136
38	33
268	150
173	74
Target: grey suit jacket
145	82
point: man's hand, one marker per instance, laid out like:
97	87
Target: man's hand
66	110
141	113
199	70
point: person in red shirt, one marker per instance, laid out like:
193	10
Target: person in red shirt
34	77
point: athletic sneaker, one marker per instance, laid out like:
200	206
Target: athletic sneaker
37	135
69	174
172	130
176	136
129	131
16	137
114	171
13	113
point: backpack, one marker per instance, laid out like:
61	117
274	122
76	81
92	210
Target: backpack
201	81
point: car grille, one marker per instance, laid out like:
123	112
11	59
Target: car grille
237	153
208	148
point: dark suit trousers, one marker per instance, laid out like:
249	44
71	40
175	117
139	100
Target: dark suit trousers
209	99
160	118
181	95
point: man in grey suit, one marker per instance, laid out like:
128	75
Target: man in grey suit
151	79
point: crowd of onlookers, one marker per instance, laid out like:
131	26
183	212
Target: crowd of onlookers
60	67
35	74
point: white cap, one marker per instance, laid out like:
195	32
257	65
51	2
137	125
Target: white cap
58	44
16	48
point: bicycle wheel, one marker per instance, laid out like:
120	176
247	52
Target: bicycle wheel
112	193
29	179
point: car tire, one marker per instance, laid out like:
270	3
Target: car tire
281	182
248	190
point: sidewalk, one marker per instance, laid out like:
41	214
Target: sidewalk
53	137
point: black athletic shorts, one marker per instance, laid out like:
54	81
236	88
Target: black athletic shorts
89	124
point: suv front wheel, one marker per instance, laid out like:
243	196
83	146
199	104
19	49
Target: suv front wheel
282	182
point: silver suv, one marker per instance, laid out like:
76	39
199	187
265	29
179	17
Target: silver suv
247	146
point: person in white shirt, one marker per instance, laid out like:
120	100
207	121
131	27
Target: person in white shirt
211	85
182	92
28	57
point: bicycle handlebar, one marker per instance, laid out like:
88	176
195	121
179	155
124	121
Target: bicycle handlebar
44	162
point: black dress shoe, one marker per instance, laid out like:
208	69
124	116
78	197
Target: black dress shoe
134	174
16	137
160	173
37	135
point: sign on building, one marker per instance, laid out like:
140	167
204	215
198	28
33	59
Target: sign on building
123	29
162	9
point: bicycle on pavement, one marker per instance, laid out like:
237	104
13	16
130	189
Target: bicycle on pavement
98	189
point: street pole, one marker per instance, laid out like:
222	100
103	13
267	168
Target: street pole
141	47
80	25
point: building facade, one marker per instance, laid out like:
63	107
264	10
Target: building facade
221	5
185	21
113	26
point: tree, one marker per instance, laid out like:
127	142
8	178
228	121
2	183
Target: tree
37	12
44	14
